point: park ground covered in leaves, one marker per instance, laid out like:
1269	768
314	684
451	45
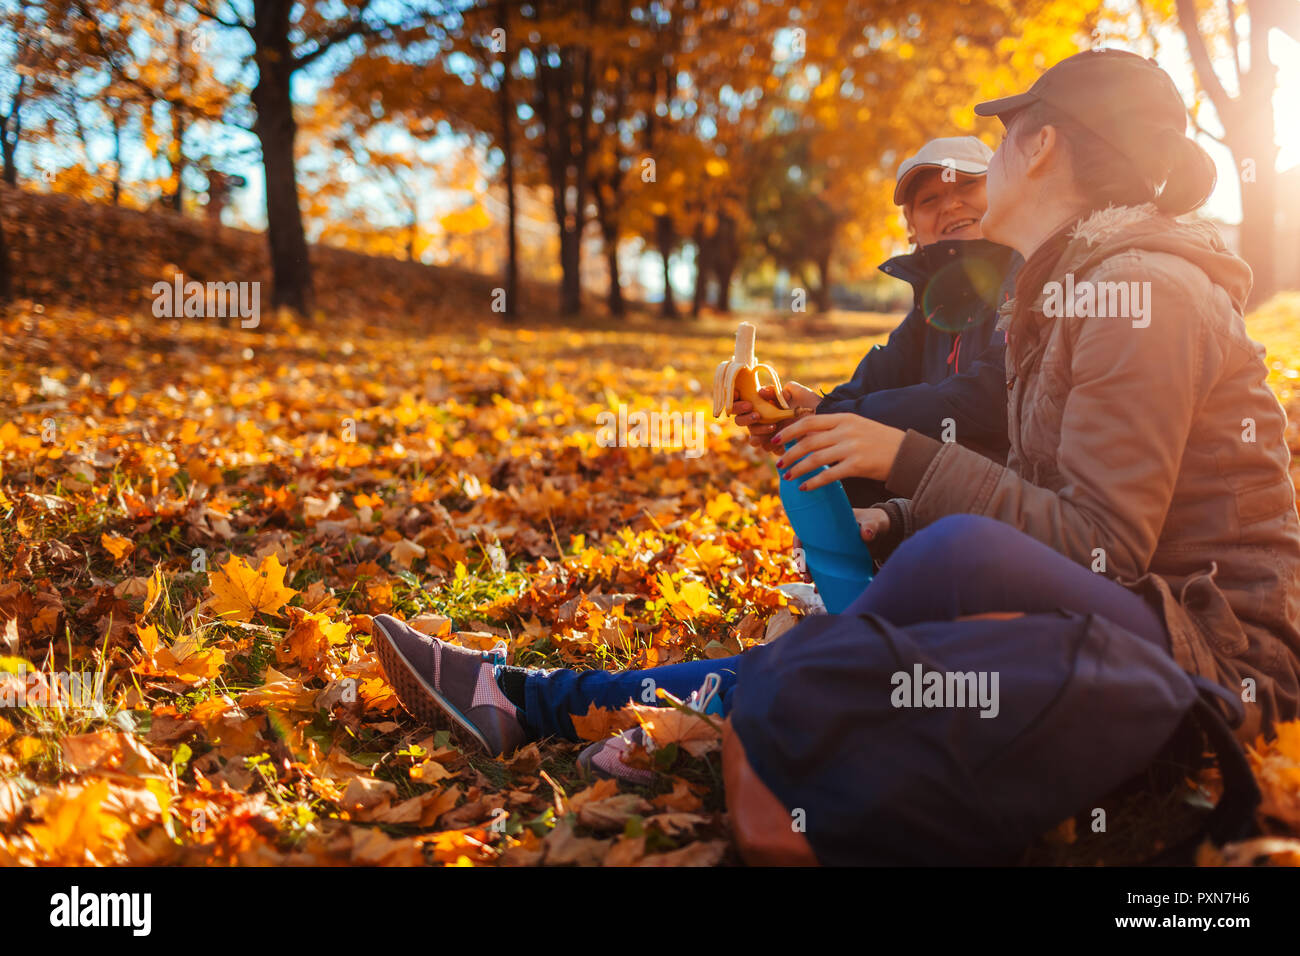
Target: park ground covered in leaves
206	519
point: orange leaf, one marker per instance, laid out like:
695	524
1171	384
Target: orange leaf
239	591
666	725
599	722
116	545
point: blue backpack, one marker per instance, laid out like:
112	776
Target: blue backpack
880	762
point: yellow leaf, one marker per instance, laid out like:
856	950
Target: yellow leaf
193	665
77	826
696	596
149	639
116	545
239	591
153	590
310	637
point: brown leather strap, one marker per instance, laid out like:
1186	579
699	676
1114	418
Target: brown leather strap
763	828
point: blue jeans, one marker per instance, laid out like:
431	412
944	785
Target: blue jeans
551	697
958	566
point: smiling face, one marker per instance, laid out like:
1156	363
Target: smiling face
941	210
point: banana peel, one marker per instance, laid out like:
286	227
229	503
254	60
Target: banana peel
738	379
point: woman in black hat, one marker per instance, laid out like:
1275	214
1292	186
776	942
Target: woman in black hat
1148	478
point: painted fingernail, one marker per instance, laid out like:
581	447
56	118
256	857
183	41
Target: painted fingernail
804	486
781	463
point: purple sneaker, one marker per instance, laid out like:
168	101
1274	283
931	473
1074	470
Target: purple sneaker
449	687
604	758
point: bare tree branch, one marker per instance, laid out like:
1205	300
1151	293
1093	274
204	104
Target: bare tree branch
236	24
1235	39
1209	80
356	27
1204	132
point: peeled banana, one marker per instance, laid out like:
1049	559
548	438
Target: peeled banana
737	378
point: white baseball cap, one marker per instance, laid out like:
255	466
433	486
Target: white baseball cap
965	154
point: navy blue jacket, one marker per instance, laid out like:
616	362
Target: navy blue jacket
946	358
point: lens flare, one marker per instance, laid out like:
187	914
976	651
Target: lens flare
961	295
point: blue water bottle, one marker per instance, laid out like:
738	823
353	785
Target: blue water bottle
834	552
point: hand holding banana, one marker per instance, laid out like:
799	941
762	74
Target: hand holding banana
737	378
760	408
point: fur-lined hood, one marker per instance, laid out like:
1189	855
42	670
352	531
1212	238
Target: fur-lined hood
1115	229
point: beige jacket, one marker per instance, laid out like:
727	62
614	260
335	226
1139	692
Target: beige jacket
1153	443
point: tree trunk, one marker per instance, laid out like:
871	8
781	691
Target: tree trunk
117	156
554	91
664	236
276	131
703	268
176	155
824	283
1248	129
506	107
6	282
1259	209
176	152
11	127
615	299
570	264
10	170
725	258
609	235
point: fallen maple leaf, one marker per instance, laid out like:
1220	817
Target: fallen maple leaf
404	552
564	847
364	793
374	848
628	851
435	625
153	590
310	638
149	638
682	798
76	825
189	660
667	725
280	691
109	752
239	591
600	722
116	545
602	789
613	812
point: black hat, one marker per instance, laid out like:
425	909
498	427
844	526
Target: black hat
1120	96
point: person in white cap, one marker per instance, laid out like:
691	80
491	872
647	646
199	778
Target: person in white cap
941	189
941	373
